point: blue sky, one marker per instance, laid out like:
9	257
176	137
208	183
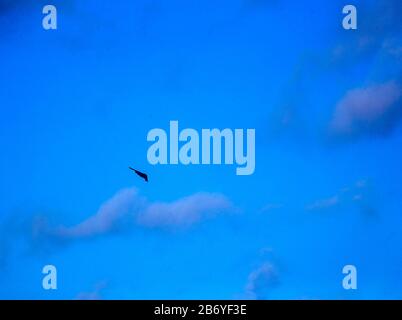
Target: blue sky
77	104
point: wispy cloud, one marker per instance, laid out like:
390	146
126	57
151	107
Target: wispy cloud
381	25
373	110
125	211
184	212
128	209
377	47
357	194
123	203
95	294
324	203
261	280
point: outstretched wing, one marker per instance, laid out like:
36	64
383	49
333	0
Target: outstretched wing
141	174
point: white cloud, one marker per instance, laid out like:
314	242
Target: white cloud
261	280
184	212
324	203
127	208
123	203
370	110
359	194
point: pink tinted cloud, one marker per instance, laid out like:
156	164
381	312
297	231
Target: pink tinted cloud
109	214
127	208
184	212
372	110
260	280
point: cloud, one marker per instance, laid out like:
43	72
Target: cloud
374	110
128	209
107	218
381	25
375	47
184	212
359	194
95	294
324	203
261	280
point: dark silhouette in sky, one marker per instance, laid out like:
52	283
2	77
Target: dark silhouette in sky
141	174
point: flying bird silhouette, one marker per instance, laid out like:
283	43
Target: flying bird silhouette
141	174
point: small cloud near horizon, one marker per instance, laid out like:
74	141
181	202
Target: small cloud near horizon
261	280
95	294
